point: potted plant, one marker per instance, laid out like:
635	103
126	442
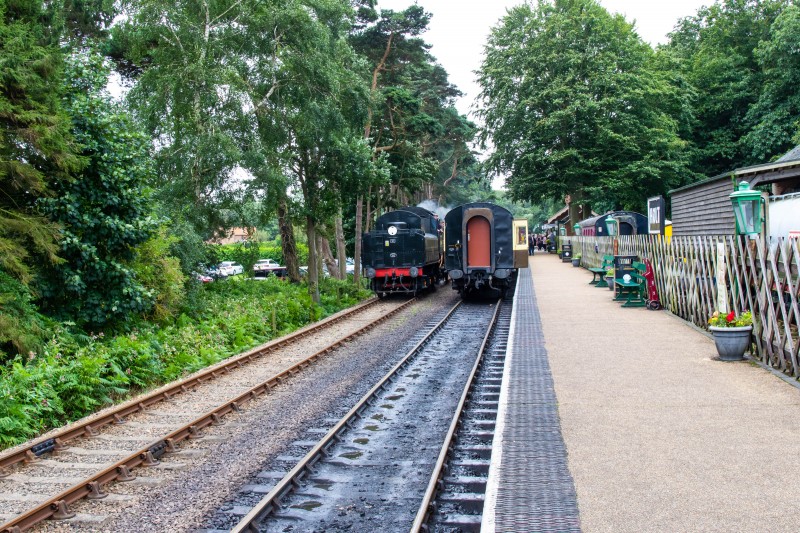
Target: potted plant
731	334
576	260
610	279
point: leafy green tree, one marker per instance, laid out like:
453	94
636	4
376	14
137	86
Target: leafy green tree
104	211
716	52
774	118
182	55
573	106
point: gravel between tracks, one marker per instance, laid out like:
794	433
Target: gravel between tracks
212	469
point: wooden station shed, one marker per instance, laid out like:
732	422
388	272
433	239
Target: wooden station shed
704	208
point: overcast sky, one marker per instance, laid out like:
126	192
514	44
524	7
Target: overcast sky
459	28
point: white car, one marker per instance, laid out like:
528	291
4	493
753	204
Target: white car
230	268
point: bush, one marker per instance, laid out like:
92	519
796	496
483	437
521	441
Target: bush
74	374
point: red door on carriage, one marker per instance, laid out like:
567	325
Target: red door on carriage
479	242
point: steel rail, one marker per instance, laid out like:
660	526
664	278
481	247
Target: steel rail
439	469
291	480
89	427
58	506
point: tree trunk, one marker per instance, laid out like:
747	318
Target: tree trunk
357	255
574	211
288	245
313	268
341	252
324	250
369	201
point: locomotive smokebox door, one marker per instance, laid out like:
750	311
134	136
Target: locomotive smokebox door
520	243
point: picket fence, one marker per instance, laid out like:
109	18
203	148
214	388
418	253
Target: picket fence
759	277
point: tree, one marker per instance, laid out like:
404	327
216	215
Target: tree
716	52
104	211
415	133
36	150
183	55
573	106
774	119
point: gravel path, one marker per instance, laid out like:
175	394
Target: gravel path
206	472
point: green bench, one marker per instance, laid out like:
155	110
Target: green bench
633	292
608	262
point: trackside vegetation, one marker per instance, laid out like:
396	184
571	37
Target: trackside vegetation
74	374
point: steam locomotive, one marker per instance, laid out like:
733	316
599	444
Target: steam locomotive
485	247
404	253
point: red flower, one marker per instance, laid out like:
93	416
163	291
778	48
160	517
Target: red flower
730	316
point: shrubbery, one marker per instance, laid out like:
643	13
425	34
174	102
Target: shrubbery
74	374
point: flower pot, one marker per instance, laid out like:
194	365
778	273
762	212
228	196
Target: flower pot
610	281
731	342
576	262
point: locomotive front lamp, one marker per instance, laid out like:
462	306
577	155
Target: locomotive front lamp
747	209
611	226
577	229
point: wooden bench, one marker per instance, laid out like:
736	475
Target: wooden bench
633	292
608	262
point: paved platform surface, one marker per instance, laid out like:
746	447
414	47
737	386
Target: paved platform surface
659	436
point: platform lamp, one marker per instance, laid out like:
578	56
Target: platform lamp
747	209
612	226
577	229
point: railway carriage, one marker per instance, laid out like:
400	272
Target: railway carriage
485	247
405	252
629	223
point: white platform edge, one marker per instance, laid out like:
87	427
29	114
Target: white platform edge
493	483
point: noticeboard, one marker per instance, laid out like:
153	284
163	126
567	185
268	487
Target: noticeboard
656	215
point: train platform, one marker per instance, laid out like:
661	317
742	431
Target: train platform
621	420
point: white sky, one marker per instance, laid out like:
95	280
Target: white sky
459	29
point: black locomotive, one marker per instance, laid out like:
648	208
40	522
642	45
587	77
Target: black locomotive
485	247
405	252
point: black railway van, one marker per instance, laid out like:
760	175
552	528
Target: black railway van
480	243
404	253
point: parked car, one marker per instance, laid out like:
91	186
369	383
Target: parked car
203	278
214	273
265	267
230	268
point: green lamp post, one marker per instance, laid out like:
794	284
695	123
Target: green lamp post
747	209
577	229
562	231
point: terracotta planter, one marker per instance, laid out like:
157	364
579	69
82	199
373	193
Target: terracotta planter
731	342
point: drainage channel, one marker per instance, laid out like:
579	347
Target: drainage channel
369	472
456	490
83	469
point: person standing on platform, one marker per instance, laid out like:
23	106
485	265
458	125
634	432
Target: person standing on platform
531	244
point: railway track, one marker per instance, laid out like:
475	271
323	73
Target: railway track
40	481
456	491
369	472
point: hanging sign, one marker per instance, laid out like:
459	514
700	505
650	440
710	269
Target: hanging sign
656	214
